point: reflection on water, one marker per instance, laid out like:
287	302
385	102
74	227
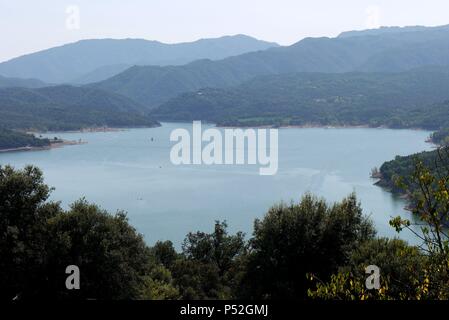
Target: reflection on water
131	170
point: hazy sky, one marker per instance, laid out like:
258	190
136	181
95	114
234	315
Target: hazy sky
28	26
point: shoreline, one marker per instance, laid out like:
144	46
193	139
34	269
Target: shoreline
317	126
84	130
93	129
54	145
302	126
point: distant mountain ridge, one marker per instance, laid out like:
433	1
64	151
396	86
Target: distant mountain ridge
385	29
18	82
75	61
386	52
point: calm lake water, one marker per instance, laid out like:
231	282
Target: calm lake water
126	170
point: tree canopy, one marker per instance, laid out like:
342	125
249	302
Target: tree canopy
306	250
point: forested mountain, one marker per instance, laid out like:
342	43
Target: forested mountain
67	108
75	62
390	99
11	139
435	117
391	51
101	73
433	51
17	82
403	167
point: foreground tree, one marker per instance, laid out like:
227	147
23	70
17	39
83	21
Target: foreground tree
210	264
24	213
407	272
401	270
112	256
429	197
292	241
38	240
310	249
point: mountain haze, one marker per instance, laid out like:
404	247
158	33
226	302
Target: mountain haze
383	30
24	83
385	52
76	61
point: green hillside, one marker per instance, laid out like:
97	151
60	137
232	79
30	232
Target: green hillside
398	100
18	82
68	108
11	139
391	51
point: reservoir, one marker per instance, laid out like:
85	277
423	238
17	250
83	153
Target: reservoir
131	170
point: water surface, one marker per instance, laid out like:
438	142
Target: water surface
126	170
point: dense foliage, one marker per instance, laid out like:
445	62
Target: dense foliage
398	100
402	267
441	137
12	139
304	250
402	168
293	240
397	175
431	205
113	257
383	52
411	274
68	108
39	239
